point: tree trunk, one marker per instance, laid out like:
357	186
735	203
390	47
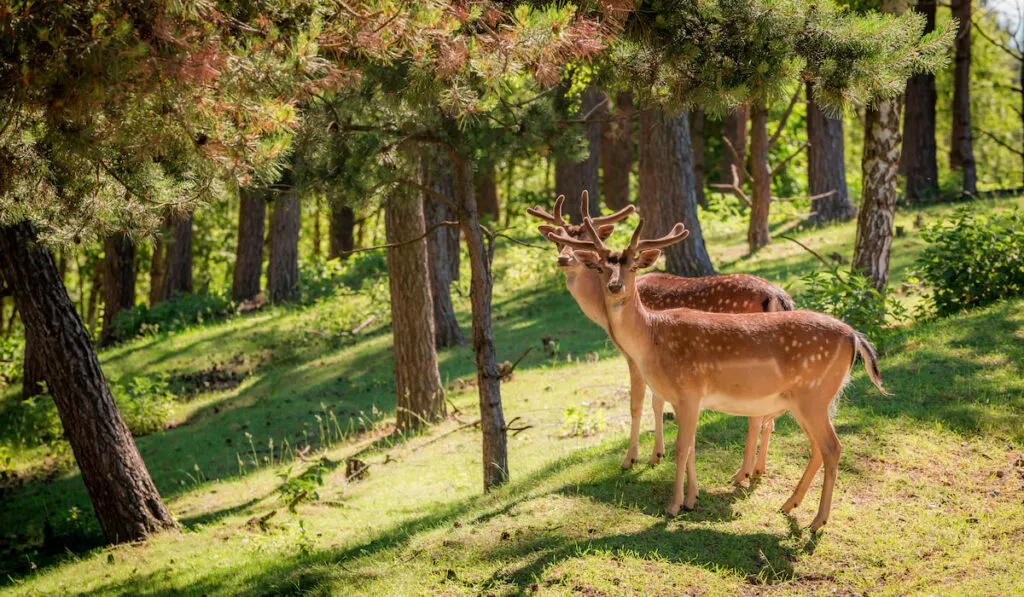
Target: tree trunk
734	128
420	398
918	160
95	289
697	142
252	221
486	189
617	152
178	259
961	149
572	178
157	268
118	281
343	223
826	165
283	269
33	368
492	418
757	232
667	192
442	246
126	501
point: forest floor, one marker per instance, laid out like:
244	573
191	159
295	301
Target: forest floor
930	497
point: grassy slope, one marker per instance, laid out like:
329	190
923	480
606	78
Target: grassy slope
928	500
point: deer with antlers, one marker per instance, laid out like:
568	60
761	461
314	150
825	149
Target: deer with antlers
739	293
752	364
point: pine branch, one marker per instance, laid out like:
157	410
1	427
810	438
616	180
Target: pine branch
404	242
1018	56
785	117
736	155
783	163
834	269
807	197
999	141
735	187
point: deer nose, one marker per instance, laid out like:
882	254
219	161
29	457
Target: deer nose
563	260
615	287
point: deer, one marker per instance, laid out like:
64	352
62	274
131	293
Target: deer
748	364
737	293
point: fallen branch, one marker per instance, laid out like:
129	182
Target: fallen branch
807	197
834	269
362	326
404	242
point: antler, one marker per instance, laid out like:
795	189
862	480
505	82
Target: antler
599	245
556	218
678	233
618	216
562	238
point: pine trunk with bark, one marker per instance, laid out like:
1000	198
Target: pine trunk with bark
420	398
878	203
961	149
177	278
492	417
252	222
826	165
442	246
33	369
126	502
697	142
283	268
918	162
572	178
761	173
667	192
617	152
342	230
486	189
157	266
734	128
118	281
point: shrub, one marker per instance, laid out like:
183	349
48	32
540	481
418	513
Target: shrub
145	403
176	313
582	422
851	298
973	259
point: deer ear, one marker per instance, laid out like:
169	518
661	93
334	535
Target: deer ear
605	231
588	258
646	259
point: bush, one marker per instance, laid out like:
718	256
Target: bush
176	313
145	404
974	259
851	298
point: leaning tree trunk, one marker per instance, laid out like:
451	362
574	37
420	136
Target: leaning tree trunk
252	220
757	232
734	128
33	367
918	160
961	149
572	178
826	165
492	418
177	259
617	152
442	246
283	268
126	501
667	192
420	398
697	143
342	227
118	281
486	189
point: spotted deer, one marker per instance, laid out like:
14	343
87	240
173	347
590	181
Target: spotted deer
750	365
737	293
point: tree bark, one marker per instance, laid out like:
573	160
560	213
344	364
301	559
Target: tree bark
697	142
118	281
157	268
617	152
442	246
126	501
572	178
492	417
285	220
343	223
33	369
95	290
734	128
419	396
177	259
961	149
918	161
667	192
252	220
826	165
760	171
486	189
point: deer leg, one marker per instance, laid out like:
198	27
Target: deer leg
831	448
637	389
686	417
812	466
767	427
691	478
749	451
659	429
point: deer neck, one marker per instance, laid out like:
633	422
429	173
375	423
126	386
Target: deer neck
629	325
586	288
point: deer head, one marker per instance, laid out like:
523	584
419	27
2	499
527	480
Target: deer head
602	226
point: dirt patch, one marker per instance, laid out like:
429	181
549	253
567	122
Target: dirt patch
220	376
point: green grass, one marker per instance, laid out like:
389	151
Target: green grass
929	499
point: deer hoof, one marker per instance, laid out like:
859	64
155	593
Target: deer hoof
655	458
788	507
817	524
